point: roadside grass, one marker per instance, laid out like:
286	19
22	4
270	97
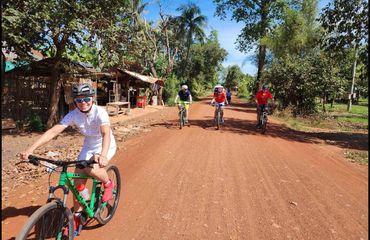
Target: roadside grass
360	157
336	119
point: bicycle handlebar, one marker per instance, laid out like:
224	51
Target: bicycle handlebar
183	102
218	104
79	164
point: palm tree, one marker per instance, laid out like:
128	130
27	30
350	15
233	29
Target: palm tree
191	24
136	8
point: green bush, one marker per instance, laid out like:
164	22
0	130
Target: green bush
198	88
244	87
36	124
170	90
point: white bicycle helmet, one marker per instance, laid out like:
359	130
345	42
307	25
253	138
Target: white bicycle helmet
83	89
184	87
217	87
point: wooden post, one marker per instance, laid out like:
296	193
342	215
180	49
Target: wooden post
116	96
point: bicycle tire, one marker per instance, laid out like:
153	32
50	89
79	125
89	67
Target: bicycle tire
218	120
264	125
181	118
41	226
112	204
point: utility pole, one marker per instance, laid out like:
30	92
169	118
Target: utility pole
350	97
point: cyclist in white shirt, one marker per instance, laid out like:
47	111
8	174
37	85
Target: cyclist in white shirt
99	143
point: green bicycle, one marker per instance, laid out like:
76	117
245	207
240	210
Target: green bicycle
50	220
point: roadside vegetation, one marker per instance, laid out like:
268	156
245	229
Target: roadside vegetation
337	120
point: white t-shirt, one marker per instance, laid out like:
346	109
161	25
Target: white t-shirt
88	125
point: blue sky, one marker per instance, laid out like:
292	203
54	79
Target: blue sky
228	30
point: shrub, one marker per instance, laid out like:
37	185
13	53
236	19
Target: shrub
36	124
170	90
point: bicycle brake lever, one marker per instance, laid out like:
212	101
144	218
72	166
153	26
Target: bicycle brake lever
84	164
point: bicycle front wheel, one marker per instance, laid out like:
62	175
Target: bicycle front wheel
263	127
181	119
48	222
218	120
105	211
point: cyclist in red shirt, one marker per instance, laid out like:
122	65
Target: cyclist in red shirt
262	97
219	96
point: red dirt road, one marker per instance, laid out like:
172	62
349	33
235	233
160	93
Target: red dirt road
235	183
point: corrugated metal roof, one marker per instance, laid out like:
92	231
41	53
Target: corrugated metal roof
143	78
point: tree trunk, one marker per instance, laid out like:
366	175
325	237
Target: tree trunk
350	98
160	92
323	103
3	66
56	84
60	41
261	61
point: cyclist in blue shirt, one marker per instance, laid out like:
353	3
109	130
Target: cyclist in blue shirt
185	100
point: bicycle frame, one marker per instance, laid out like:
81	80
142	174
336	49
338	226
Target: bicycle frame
264	113
65	179
217	116
182	109
218	108
182	105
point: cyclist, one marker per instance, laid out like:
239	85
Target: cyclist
185	100
219	96
99	143
228	95
262	97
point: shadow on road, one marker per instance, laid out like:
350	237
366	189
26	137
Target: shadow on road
13	212
356	141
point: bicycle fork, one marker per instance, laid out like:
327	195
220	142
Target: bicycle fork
52	197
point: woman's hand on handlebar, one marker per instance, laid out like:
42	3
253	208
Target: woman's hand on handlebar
24	155
102	160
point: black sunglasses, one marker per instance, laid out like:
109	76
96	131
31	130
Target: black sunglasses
80	100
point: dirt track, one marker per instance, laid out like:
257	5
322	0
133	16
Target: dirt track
199	183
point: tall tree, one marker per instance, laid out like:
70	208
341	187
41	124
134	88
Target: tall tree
234	76
258	17
204	64
56	25
345	22
136	8
297	32
191	24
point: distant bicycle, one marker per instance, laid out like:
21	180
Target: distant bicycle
182	114
217	117
54	220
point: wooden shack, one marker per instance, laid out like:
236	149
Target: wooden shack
133	87
27	90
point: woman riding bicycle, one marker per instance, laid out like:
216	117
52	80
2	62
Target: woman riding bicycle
262	97
219	96
185	100
99	143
